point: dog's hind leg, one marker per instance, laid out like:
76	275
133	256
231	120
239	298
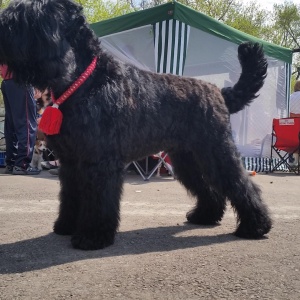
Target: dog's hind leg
210	206
99	204
225	173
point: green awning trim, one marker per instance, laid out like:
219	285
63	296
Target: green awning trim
180	12
134	20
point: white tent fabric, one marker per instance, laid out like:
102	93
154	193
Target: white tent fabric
134	46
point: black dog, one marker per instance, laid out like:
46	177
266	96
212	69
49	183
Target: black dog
121	113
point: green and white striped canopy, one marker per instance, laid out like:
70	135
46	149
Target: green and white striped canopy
177	11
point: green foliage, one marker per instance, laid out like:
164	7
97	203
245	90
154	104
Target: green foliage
99	10
286	30
3	3
248	18
287	25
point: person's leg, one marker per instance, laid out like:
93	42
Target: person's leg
9	132
26	126
23	112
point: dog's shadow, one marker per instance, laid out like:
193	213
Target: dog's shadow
53	250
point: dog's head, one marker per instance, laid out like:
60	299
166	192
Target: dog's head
38	41
40	146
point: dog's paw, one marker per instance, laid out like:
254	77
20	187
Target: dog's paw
253	231
197	217
96	242
63	228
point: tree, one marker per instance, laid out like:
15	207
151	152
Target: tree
3	3
287	30
287	25
249	17
99	10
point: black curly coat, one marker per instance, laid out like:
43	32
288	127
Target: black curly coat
122	114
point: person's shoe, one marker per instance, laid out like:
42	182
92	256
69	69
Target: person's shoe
28	171
8	170
54	171
47	166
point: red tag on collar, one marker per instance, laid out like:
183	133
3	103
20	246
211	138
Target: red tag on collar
51	121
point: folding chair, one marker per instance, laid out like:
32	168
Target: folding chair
163	160
146	173
50	155
285	143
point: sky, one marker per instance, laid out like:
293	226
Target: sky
268	4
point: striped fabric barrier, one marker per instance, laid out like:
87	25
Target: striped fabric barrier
171	40
261	164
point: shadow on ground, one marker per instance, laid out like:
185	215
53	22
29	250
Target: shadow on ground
52	250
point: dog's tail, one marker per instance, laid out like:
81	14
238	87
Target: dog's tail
254	71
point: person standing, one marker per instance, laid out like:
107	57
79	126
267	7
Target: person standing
20	125
295	113
295	101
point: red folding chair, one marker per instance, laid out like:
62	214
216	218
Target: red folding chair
285	143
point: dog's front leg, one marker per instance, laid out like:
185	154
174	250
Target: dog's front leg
100	190
69	198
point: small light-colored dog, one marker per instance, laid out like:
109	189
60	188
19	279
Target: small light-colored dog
37	157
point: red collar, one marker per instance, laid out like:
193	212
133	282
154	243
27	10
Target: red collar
81	79
52	117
